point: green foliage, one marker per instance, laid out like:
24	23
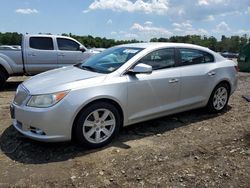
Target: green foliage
98	42
227	44
10	38
230	44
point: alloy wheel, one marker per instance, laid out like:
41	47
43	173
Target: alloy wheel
99	126
220	98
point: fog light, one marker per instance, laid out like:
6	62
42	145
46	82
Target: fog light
37	131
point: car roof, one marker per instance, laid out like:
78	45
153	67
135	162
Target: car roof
46	35
163	44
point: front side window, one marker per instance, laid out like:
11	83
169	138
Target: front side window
160	59
67	44
193	56
41	43
109	60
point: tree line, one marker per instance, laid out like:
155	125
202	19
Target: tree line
225	44
98	42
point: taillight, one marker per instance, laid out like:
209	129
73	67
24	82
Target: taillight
237	68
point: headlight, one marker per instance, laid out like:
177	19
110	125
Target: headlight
46	100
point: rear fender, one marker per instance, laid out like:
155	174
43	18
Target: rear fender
6	65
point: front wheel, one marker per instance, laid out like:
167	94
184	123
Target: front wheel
97	124
219	98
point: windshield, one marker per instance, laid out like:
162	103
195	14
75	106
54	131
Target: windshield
109	60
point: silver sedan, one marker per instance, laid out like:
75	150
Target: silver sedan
120	86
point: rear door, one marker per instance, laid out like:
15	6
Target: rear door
155	93
198	75
69	52
40	55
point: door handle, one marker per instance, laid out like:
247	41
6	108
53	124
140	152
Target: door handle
61	54
31	54
211	73
173	80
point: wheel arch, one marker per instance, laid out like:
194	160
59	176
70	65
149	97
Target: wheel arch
5	65
2	69
108	100
225	81
4	75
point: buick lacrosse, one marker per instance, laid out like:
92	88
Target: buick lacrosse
120	86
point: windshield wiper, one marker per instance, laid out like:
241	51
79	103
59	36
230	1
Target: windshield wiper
86	67
89	68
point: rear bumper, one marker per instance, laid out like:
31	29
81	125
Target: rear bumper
234	85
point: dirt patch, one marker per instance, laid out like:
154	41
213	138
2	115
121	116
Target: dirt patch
191	149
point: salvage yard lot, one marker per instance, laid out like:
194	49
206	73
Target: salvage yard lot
192	149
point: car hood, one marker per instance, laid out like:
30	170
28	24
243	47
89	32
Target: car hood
59	80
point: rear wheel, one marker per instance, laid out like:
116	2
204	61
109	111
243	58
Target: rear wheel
3	79
97	125
219	98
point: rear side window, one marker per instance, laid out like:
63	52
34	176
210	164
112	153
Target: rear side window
160	59
41	43
67	44
193	56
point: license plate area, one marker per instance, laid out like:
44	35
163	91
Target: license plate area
12	112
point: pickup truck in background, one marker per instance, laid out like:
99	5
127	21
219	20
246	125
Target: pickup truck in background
39	53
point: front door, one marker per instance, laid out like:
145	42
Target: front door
68	52
149	95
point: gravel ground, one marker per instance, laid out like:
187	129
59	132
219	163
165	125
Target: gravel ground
191	149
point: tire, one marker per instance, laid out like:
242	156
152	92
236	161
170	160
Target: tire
90	129
219	98
3	79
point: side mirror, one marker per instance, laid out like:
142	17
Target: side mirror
82	48
141	68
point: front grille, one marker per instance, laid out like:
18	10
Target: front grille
21	95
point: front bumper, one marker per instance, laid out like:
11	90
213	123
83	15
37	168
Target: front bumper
36	136
51	124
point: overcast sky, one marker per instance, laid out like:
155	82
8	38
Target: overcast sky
127	19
